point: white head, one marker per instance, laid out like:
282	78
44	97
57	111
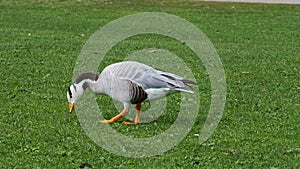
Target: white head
76	90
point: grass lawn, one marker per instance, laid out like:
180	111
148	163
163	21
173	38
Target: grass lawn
259	47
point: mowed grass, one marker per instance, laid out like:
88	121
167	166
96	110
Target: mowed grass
259	48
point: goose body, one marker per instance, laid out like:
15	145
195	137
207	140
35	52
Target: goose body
128	82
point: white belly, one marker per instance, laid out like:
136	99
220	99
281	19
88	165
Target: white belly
154	94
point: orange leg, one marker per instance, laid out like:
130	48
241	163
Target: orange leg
116	118
137	116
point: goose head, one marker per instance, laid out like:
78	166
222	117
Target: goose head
74	93
76	90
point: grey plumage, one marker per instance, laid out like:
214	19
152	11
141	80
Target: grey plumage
144	75
128	82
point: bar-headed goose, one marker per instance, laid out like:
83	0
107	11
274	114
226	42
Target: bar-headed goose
128	82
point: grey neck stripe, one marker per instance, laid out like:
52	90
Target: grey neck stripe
89	75
74	87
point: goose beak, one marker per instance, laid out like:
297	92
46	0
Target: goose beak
71	107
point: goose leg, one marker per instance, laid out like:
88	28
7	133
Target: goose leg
137	116
116	118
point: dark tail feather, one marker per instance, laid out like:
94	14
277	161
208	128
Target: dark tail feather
185	81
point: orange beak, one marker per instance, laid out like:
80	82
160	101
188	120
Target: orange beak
71	107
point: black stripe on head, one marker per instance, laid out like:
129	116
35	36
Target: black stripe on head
70	93
88	75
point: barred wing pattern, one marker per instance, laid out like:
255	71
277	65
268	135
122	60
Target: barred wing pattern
128	81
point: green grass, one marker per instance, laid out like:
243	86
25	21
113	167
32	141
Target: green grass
259	48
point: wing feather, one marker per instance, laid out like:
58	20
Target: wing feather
146	76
